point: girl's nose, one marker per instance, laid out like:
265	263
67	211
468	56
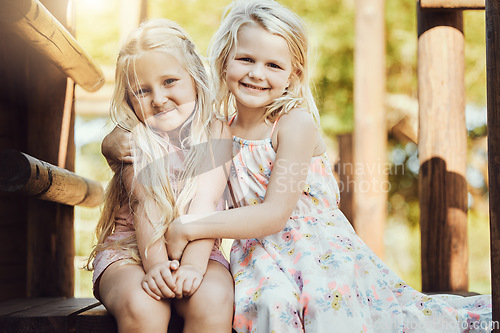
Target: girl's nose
256	73
159	99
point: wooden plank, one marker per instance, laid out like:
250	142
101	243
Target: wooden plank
493	106
46	315
35	24
370	135
22	304
442	151
23	174
60	307
452	4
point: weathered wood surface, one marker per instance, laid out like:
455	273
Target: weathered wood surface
452	4
442	151
24	174
370	135
42	314
493	106
37	26
80	315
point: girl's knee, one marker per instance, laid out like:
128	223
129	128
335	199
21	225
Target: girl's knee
213	296
137	308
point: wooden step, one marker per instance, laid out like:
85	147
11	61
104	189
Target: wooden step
80	315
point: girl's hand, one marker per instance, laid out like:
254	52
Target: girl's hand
117	148
176	239
159	282
187	280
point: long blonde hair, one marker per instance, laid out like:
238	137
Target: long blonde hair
164	201
277	20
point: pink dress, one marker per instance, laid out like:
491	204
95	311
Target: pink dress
317	275
124	228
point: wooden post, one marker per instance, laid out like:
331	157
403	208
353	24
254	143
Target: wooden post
30	20
452	4
345	171
24	174
443	150
370	134
493	90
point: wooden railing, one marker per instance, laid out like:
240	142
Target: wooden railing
31	21
24	174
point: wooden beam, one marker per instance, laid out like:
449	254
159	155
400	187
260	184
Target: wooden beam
452	4
442	150
35	24
370	135
24	174
493	106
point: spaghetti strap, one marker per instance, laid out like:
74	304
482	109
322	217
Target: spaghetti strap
272	130
274	126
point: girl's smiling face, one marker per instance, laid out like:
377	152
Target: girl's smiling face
259	68
164	94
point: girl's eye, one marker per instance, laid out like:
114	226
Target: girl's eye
245	59
141	93
274	66
169	81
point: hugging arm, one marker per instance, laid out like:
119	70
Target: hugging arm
116	148
286	183
211	186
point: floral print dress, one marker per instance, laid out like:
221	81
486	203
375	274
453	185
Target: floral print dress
317	275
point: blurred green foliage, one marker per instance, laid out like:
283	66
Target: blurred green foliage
331	32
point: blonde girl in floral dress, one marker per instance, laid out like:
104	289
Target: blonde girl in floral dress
298	265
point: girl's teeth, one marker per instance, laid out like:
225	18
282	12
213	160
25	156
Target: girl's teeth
253	87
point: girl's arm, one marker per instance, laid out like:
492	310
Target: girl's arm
297	137
210	190
155	262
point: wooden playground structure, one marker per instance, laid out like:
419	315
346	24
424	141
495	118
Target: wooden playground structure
40	63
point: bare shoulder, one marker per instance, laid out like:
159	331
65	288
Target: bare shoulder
297	121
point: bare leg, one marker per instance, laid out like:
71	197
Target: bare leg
134	310
210	309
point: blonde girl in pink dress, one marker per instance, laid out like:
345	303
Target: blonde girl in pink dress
298	265
162	98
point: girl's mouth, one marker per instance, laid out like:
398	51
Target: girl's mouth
163	112
252	86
